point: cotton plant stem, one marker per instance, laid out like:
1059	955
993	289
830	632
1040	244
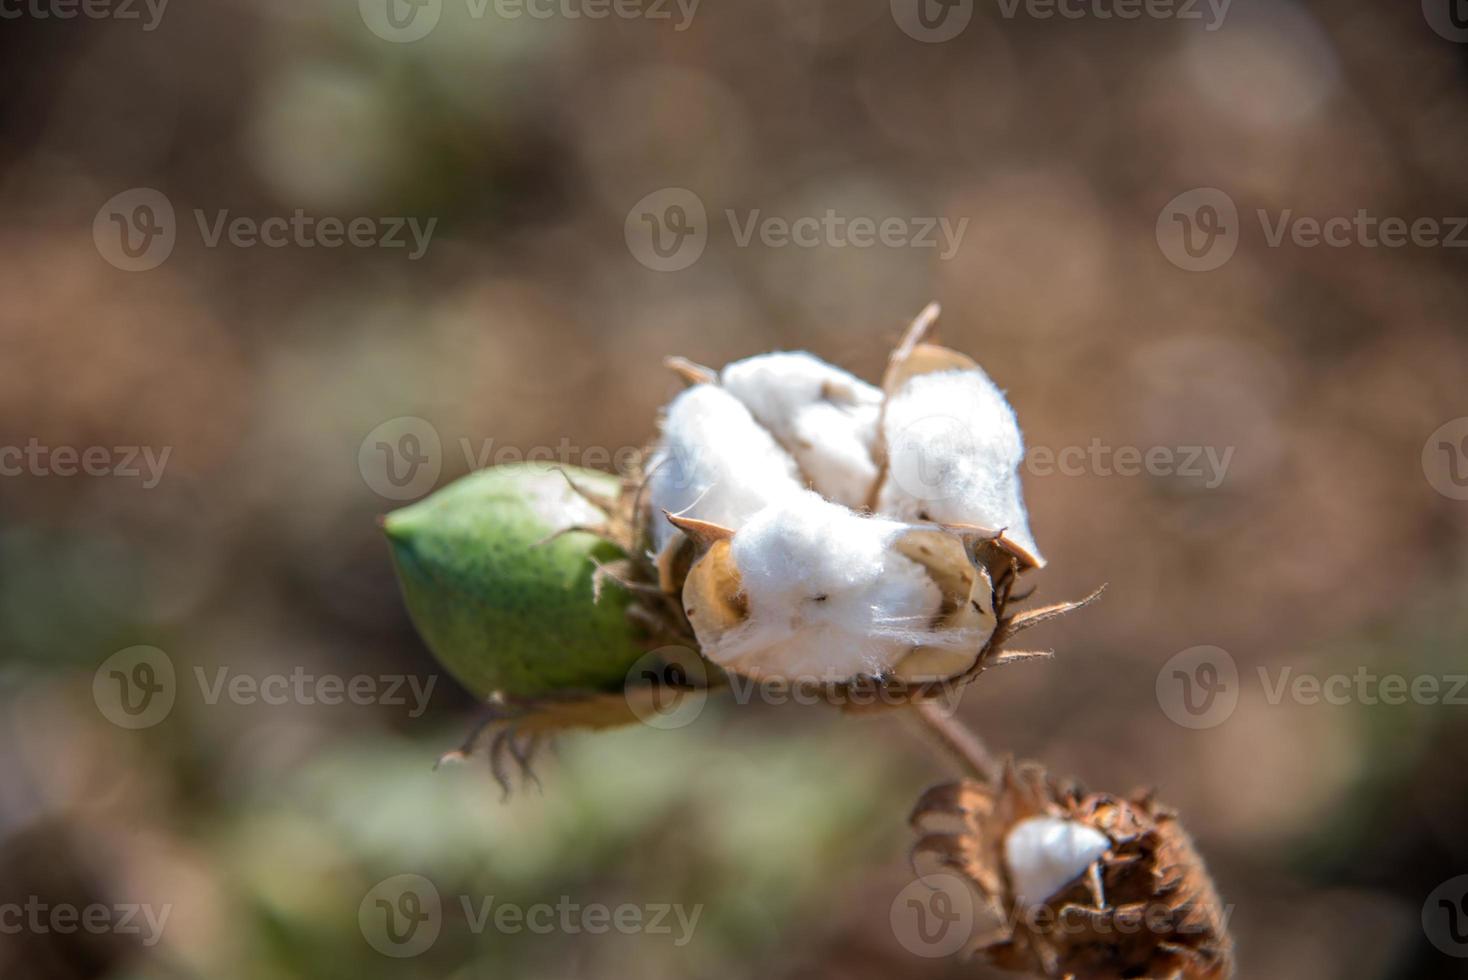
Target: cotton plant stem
954	738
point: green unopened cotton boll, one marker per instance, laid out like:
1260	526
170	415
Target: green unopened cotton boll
503	608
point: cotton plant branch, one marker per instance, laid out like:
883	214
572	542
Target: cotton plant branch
954	740
797	524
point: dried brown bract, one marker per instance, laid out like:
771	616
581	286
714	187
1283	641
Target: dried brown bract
1131	898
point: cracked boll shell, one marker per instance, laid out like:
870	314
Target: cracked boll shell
502	608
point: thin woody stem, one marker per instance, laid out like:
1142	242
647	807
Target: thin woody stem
955	739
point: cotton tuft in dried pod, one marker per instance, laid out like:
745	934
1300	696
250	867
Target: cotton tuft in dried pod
823	417
1085	886
806	589
954	452
714	463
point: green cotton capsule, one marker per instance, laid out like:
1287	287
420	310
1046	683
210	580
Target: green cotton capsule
504	603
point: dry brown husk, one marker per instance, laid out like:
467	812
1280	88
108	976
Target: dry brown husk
1148	909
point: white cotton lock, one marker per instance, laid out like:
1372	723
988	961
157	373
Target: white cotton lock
1044	854
714	463
954	452
828	595
824	417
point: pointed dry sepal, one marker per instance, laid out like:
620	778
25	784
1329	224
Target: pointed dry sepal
1030	618
691	372
915	356
703	534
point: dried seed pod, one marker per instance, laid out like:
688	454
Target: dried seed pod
713	595
967	611
1080	885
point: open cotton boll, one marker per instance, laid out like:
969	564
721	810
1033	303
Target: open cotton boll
1044	854
828	595
823	416
715	463
954	451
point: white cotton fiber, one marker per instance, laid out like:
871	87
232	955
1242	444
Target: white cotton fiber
1044	854
823	416
828	595
954	450
714	463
